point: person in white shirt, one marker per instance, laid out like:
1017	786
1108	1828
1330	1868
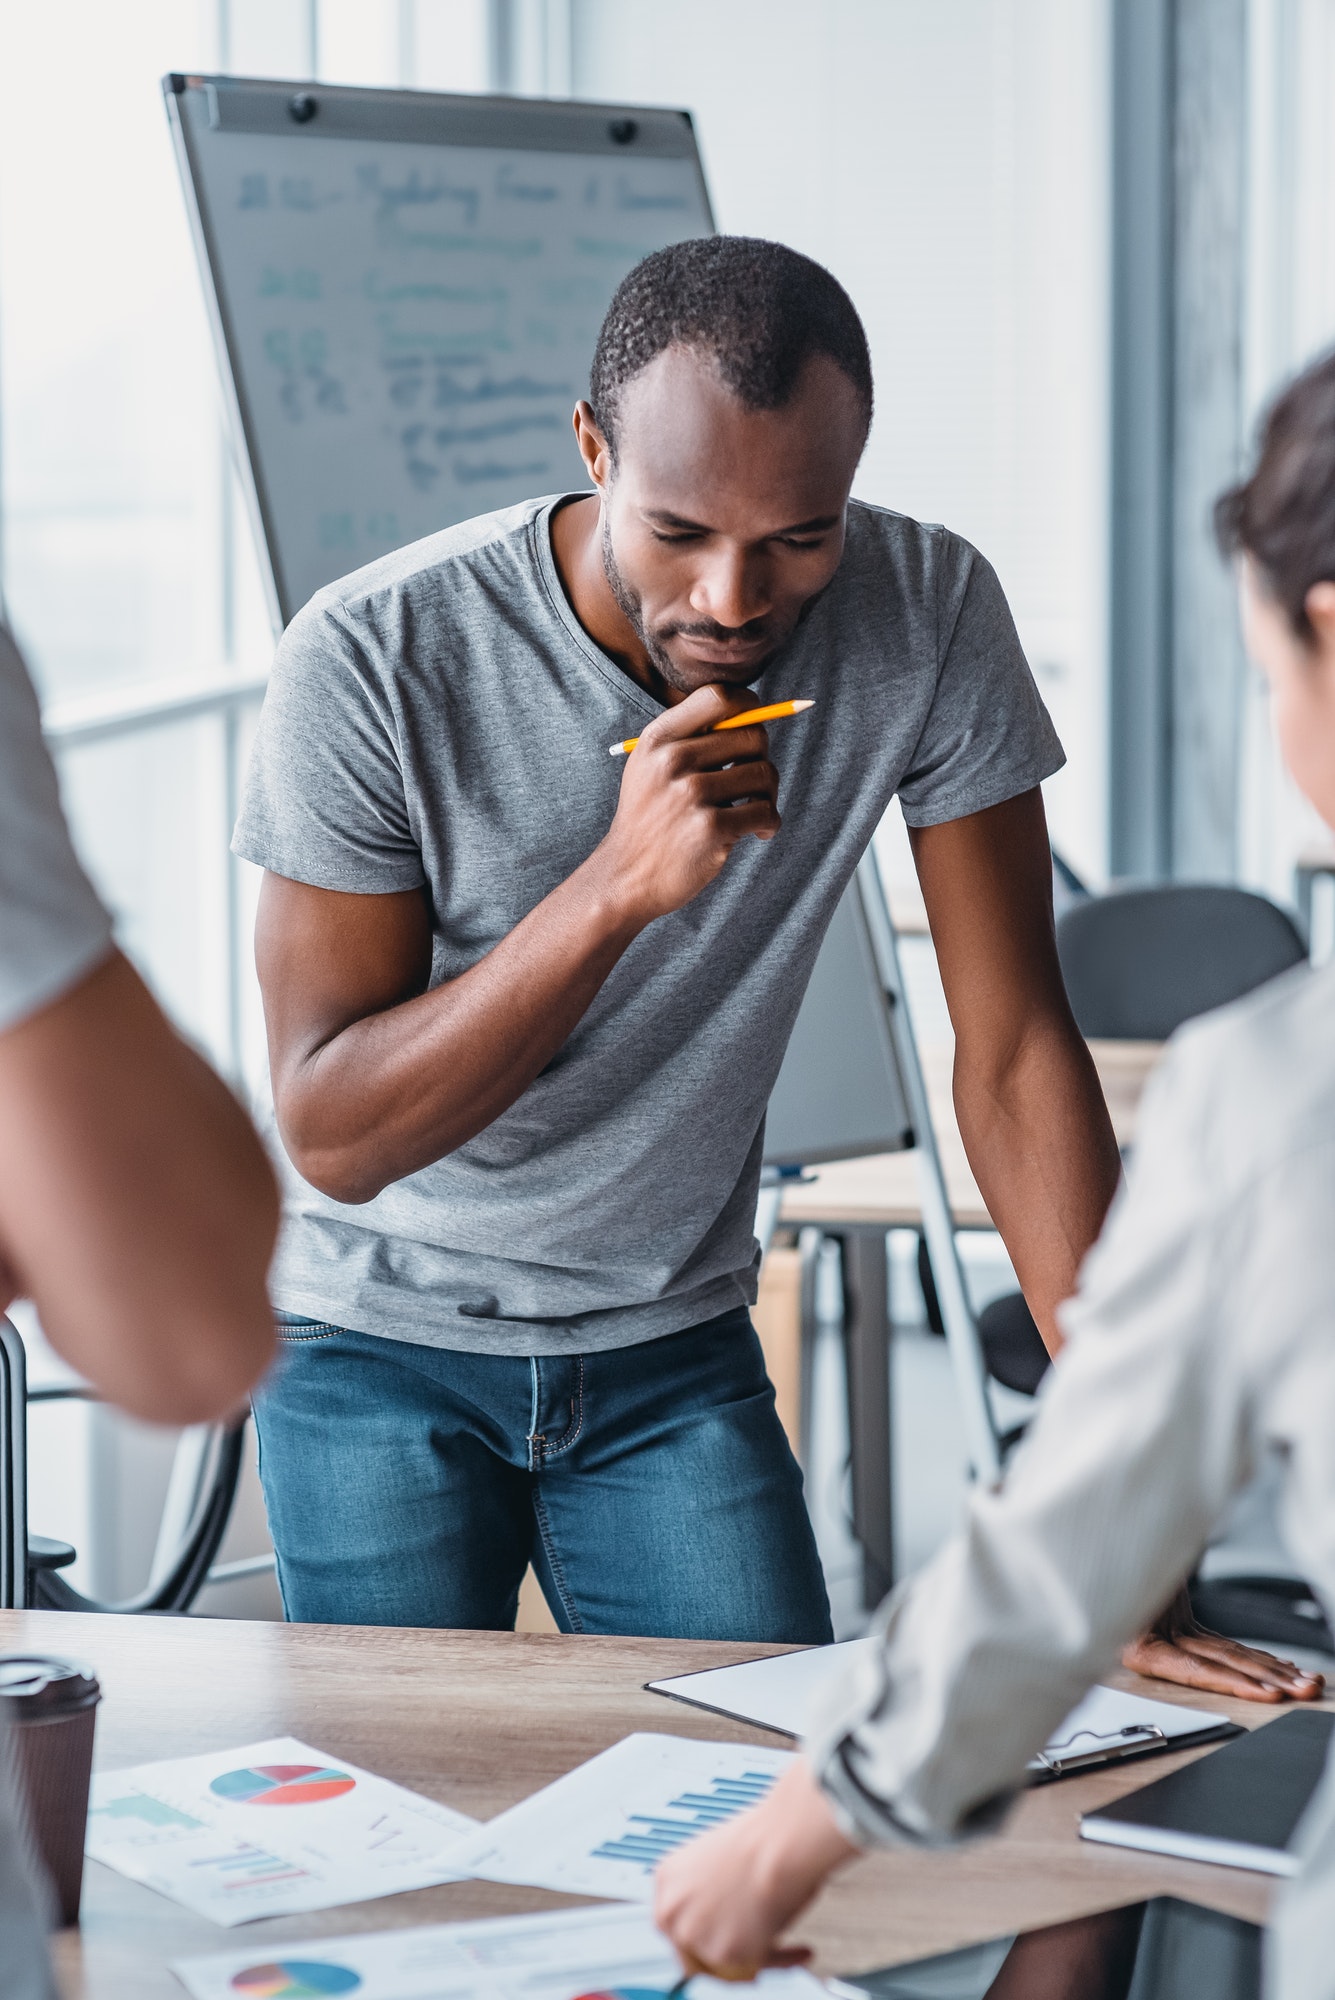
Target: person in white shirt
1201	1341
137	1209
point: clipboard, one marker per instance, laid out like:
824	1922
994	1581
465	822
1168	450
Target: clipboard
1108	1726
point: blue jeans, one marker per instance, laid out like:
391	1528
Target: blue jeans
651	1487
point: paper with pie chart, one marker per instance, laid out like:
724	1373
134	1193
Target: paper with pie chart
272	1829
610	1953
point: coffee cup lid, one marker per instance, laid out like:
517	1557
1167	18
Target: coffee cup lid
34	1687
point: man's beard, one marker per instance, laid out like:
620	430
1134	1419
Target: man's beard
630	607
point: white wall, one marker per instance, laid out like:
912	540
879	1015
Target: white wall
949	162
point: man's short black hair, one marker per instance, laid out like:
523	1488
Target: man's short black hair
761	310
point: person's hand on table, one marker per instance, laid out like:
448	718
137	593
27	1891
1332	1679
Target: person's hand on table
725	1899
1178	1648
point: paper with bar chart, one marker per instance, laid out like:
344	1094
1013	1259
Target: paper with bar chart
609	1953
603	1828
269	1830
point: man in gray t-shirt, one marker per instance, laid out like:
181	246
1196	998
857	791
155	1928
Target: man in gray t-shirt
526	1002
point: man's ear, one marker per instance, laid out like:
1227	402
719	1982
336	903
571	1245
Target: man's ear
593	446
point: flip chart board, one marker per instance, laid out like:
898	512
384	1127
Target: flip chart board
841	1091
406	289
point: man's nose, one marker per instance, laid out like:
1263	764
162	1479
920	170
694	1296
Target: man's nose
731	588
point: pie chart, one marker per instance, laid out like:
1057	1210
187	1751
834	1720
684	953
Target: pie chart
284	1785
295	1979
625	1993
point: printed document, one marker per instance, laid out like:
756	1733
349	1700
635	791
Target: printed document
611	1953
270	1830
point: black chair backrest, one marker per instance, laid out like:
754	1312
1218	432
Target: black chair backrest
1140	962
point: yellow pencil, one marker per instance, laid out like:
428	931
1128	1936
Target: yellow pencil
774	712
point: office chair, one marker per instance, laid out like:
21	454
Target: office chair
29	1564
1137	965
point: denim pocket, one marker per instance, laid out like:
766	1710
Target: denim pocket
292	1327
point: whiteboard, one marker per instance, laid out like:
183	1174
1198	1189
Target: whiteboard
841	1092
406	290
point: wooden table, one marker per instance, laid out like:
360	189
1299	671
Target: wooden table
478	1721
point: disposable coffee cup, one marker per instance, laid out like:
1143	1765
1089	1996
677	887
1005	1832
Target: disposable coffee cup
51	1707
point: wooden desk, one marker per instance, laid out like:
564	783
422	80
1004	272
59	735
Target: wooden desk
478	1721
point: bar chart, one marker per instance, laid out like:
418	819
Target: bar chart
651	1836
603	1828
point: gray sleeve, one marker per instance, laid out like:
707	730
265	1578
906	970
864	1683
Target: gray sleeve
987	736
53	929
324	799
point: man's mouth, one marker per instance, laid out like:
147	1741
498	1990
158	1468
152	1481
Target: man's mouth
722	652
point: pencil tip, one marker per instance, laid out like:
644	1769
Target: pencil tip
798	706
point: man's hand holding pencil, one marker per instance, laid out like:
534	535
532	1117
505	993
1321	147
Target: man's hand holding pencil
699	781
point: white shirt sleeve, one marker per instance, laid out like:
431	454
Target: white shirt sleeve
1206	1304
53	929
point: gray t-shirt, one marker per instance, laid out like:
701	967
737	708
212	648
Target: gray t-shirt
52	929
440	720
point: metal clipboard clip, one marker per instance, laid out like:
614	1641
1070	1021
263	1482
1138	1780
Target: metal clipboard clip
1113	1744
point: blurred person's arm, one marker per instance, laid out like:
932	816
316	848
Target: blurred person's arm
137	1208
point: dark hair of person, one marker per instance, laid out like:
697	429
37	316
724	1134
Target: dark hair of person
761	310
1283	516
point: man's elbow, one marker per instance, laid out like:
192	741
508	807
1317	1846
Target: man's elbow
341	1172
339	1164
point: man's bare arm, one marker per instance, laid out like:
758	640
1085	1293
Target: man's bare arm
1031	1112
137	1208
374	1076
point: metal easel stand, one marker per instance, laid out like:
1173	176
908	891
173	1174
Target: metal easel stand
981	1432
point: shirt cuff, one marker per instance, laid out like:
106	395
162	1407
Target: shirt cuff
848	1746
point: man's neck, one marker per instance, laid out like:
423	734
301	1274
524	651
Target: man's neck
577	550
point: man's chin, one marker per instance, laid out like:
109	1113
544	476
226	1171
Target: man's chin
688	676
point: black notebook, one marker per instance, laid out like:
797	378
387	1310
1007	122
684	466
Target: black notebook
1238	1807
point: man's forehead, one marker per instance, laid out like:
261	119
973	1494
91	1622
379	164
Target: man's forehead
683	381
686	440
